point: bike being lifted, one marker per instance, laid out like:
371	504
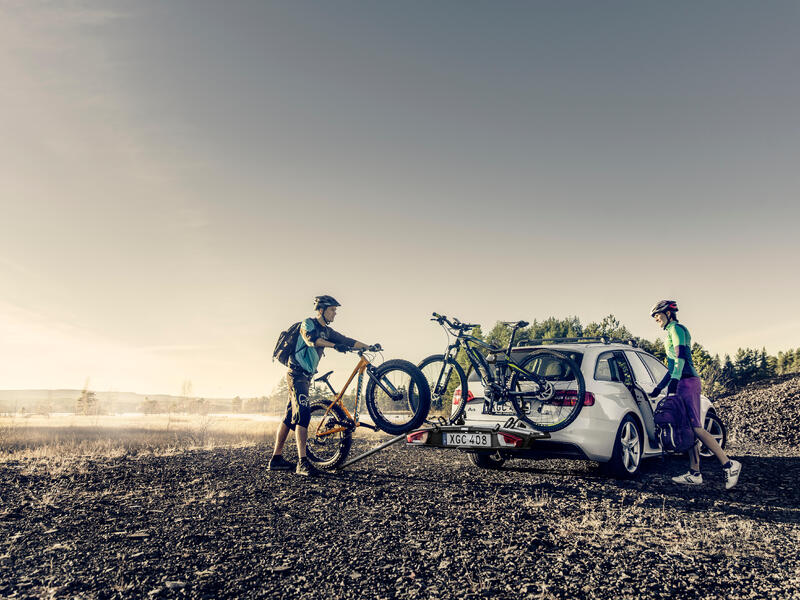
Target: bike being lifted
546	388
397	399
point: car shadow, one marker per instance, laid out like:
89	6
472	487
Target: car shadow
766	490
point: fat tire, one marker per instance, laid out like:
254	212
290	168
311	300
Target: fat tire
459	370
344	443
420	412
518	404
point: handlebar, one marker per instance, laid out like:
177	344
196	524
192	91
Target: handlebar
455	324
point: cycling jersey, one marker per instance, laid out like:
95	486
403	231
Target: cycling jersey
678	346
306	355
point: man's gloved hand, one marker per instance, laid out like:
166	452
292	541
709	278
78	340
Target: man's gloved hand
342	347
656	392
375	348
672	388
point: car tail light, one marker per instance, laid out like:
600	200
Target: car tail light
457	396
569	398
418	437
508	439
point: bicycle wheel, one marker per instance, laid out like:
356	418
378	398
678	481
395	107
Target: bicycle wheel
327	450
556	406
445	381
401	401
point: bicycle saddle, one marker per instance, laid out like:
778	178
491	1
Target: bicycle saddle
324	377
516	324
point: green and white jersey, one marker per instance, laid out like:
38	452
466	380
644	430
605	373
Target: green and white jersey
678	346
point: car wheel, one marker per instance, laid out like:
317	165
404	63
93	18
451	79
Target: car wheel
486	460
626	460
714	425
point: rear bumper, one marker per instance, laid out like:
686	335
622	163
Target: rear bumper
499	438
590	437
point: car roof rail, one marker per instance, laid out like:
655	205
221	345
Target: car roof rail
575	340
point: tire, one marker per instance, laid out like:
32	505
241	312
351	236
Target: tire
441	397
714	425
486	460
545	415
328	451
405	412
626	459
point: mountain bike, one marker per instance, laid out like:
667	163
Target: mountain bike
397	397
546	388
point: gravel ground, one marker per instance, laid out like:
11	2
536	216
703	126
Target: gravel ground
407	522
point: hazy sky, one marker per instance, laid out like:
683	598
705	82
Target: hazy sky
179	179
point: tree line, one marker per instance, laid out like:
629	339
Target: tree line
720	375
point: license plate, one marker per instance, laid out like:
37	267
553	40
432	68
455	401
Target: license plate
474	440
506	409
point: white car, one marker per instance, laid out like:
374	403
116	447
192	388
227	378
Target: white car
615	426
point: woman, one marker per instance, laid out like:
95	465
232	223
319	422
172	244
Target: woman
682	380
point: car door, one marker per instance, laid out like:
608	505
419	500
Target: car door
610	378
644	384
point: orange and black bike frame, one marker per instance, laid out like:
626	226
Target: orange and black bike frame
363	366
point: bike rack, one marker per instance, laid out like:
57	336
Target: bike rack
380	447
529	434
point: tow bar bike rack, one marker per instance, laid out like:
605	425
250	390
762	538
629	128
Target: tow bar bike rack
527	436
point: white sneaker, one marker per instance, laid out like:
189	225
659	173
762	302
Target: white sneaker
732	474
689	479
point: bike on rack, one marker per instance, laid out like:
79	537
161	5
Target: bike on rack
397	397
546	388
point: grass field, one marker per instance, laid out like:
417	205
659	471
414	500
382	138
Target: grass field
73	435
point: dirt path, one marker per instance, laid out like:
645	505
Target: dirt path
405	523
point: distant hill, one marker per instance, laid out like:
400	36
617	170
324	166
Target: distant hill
764	413
41	401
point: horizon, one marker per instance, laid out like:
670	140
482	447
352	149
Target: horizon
179	181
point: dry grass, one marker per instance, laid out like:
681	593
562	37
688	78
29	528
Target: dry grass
62	443
71	437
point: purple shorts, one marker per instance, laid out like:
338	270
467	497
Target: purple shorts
689	392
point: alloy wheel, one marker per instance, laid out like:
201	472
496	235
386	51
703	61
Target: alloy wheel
631	447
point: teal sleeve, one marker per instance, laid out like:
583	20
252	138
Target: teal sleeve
678	338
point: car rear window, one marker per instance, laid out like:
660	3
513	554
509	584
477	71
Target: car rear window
550	367
538	366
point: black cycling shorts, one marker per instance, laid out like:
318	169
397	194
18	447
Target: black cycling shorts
297	411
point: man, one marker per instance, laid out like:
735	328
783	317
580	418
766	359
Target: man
315	335
682	380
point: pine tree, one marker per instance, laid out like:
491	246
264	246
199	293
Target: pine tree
728	378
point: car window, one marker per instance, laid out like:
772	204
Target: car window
612	366
605	369
624	374
550	367
657	368
640	372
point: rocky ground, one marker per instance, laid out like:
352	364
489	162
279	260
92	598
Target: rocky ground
407	522
403	523
764	413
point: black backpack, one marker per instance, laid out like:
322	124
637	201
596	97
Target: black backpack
287	342
673	428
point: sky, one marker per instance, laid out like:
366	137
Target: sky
178	180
